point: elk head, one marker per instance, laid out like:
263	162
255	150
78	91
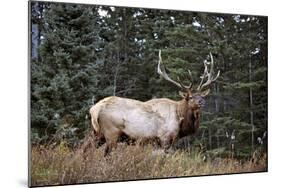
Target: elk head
194	97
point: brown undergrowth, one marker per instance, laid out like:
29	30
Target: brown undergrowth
61	165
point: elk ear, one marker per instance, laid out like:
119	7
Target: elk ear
205	93
184	95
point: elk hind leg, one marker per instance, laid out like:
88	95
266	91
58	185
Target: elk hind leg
111	142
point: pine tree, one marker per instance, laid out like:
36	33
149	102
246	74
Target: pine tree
91	52
64	81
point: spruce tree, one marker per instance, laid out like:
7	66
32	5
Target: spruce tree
65	80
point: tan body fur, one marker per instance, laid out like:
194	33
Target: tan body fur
157	118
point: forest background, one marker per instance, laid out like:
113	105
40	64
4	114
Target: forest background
81	54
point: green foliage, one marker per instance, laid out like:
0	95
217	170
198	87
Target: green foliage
86	55
64	80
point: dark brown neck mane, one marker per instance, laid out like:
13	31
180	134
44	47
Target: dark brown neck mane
190	122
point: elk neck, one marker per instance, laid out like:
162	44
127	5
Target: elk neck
189	123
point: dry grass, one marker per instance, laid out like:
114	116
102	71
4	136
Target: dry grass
64	166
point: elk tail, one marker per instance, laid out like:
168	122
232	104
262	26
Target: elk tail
94	112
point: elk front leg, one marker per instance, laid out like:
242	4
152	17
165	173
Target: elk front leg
167	141
166	144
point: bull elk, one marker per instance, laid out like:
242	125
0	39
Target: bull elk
160	118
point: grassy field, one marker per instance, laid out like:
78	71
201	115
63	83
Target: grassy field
61	165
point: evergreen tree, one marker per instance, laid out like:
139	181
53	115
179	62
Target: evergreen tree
91	52
64	82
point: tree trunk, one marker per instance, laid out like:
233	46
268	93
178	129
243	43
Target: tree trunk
210	137
251	105
216	98
116	74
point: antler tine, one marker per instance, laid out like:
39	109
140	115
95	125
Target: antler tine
204	75
212	63
208	74
184	86
191	78
165	75
212	68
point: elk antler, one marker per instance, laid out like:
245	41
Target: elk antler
208	75
166	77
